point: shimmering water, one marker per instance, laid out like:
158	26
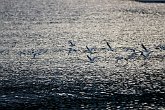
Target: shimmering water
72	92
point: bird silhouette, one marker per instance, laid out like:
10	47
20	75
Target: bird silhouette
110	48
146	52
71	50
129	49
38	52
160	47
90	50
91	59
71	43
144	47
133	54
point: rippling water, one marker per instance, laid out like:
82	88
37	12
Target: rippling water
45	99
75	92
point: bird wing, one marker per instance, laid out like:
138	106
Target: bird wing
89	58
71	43
144	47
89	49
108	45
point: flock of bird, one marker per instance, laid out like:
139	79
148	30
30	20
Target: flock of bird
134	53
145	52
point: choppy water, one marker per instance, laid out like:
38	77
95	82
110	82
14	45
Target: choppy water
16	98
57	91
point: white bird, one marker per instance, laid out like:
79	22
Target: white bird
146	52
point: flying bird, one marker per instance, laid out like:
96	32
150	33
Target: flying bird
146	52
91	59
129	49
90	50
71	50
133	54
160	47
144	47
71	43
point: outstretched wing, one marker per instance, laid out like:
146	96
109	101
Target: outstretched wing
71	43
89	58
109	46
144	47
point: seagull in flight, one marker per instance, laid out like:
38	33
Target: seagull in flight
133	53
160	47
71	50
90	50
91	59
145	52
71	43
